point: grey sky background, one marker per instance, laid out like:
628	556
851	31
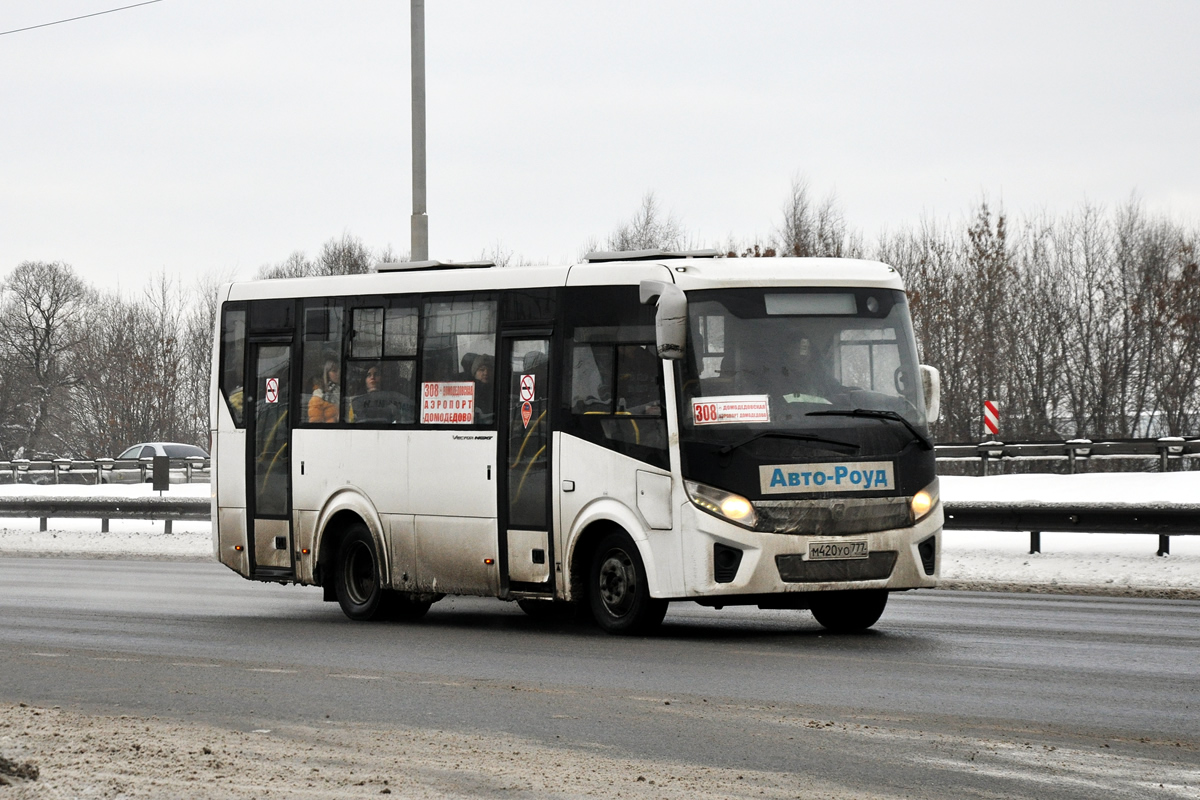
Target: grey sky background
199	136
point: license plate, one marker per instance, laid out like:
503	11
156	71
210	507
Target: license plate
831	551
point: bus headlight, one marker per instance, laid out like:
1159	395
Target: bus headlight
923	501
721	503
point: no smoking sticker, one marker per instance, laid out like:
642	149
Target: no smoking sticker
526	388
272	392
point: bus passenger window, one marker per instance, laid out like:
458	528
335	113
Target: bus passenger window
321	362
379	387
383	392
233	362
459	347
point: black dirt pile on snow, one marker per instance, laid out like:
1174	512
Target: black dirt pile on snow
11	769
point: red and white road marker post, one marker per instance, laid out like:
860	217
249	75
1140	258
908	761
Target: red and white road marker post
991	417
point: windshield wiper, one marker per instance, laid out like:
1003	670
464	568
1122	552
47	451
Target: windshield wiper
806	437
875	413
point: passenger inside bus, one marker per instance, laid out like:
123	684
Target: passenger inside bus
637	383
481	373
804	375
378	401
324	405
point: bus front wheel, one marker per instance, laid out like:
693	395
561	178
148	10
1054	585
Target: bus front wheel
356	577
619	593
849	612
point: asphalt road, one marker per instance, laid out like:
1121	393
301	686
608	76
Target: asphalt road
954	694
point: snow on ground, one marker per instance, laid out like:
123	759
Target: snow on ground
1123	564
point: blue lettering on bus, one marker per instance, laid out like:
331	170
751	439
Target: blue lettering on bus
819	478
881	477
856	477
838	474
777	478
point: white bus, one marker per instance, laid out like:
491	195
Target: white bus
610	436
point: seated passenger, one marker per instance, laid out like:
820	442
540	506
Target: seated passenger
804	377
481	374
376	404
325	404
637	385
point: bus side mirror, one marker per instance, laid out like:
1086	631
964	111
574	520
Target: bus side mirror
931	386
670	320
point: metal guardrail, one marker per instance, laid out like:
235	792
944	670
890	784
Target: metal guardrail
106	508
193	469
1179	520
1073	451
1089	518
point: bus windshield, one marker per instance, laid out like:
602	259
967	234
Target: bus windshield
791	361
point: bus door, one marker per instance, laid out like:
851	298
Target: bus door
268	467
526	547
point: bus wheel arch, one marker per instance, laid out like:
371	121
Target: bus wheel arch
582	552
619	587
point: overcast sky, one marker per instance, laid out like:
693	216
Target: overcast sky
202	136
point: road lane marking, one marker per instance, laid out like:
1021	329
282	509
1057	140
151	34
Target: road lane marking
358	677
190	664
280	671
48	655
113	658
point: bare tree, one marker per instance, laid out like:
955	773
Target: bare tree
41	325
648	229
297	265
814	229
346	255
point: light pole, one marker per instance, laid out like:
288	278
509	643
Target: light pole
420	218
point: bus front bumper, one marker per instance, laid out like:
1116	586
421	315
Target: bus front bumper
722	559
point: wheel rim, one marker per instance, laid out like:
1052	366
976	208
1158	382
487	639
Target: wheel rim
360	573
618	583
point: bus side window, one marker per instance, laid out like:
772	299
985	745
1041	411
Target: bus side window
321	362
613	387
233	361
460	339
383	346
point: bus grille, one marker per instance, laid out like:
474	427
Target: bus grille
832	517
794	569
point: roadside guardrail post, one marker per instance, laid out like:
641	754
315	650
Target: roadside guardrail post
1168	446
1035	542
1164	545
1076	448
989	450
103	465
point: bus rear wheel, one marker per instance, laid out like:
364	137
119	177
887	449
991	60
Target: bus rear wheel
356	576
849	612
619	593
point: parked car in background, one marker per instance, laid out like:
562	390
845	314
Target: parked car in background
125	473
170	449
